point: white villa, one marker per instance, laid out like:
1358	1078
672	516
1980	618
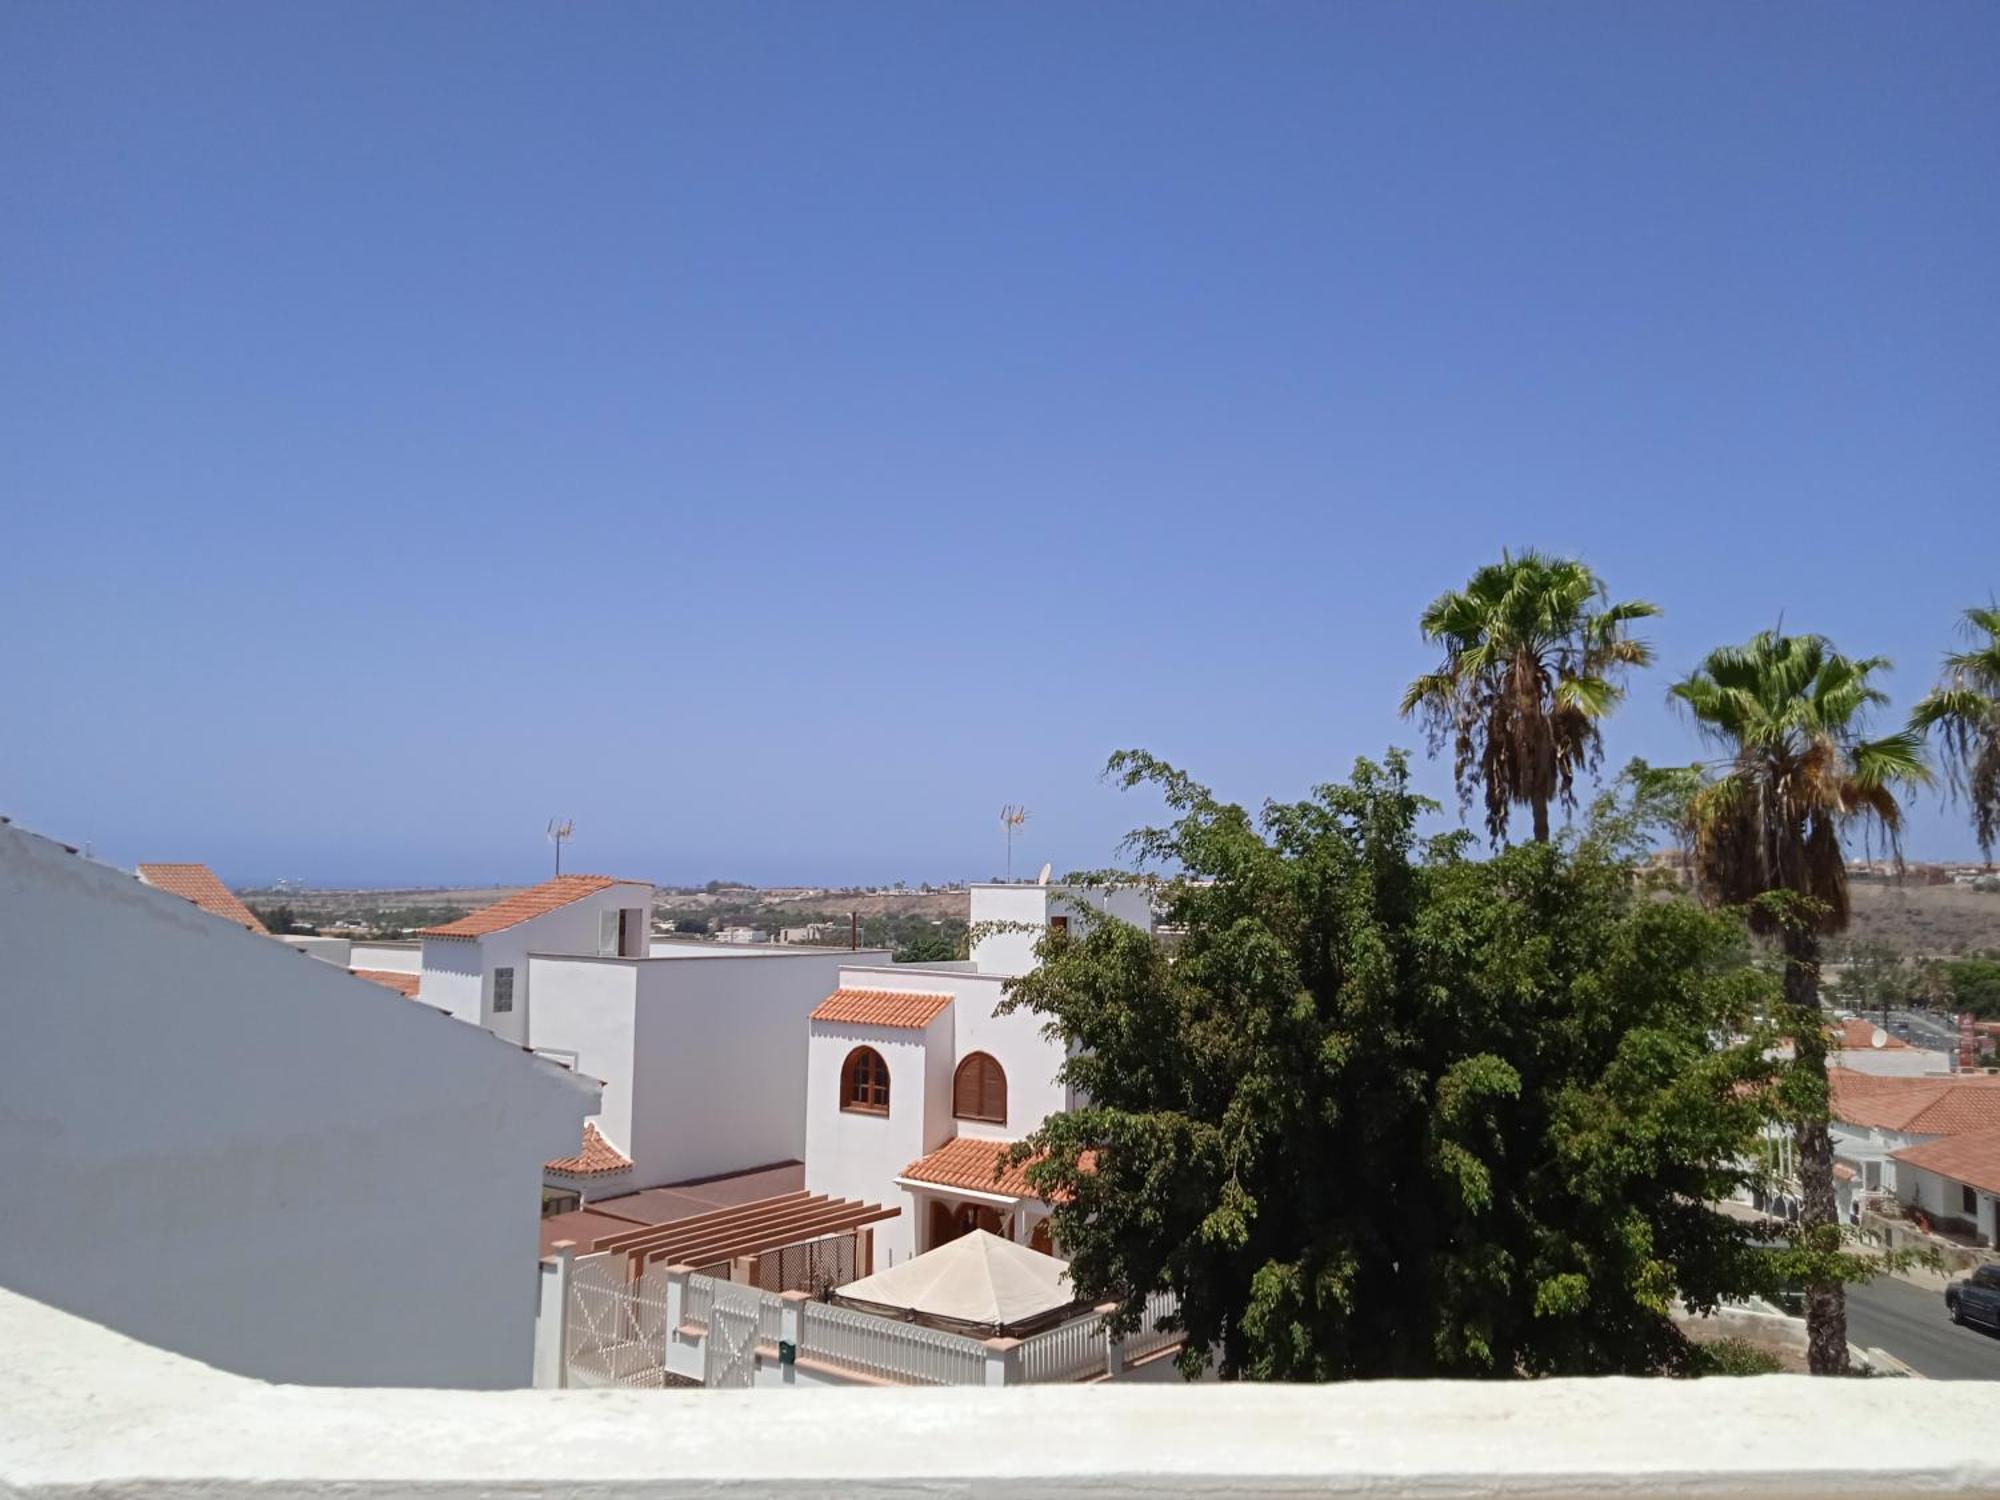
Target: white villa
916	1084
1930	1144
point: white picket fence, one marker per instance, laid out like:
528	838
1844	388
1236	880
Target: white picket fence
885	1349
1070	1351
1146	1338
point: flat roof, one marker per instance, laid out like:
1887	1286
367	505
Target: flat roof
683	1200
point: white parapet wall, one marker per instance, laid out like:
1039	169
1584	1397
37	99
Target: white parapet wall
84	1410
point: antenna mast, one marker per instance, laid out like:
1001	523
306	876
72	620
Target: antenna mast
1012	816
561	831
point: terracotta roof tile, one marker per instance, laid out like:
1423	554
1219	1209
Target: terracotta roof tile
1950	1105
402	984
198	883
522	905
598	1158
1858	1034
1972	1158
881	1008
975	1163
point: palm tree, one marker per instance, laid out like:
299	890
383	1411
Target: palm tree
1790	711
1964	710
1532	656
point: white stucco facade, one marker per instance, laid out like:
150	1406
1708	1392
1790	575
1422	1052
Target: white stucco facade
222	1146
1017	915
485	979
91	1413
702	1050
856	1154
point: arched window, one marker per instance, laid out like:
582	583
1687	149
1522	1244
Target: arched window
864	1082
979	1091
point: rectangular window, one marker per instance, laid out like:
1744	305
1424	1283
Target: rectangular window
1059	924
1968	1199
503	991
1871	1175
607	934
632	931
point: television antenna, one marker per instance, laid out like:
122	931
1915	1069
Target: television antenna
561	831
1012	816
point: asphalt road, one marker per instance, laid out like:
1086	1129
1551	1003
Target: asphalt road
1920	1030
1911	1323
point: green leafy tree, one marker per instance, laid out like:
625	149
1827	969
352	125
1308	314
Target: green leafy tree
926	948
1790	714
1963	714
1385	1110
1973	984
1874	977
1533	657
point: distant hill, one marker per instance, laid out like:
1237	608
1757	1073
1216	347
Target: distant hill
1925	921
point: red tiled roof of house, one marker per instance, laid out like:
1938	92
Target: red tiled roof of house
881	1008
974	1163
597	1158
1842	1172
970	1162
198	883
1949	1105
1858	1034
402	984
522	905
1972	1158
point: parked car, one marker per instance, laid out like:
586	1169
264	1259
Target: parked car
1975	1299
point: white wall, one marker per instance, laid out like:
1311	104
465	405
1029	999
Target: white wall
390	958
453	978
1014	1041
1013	952
703	1053
570	929
221	1146
721	1068
855	1155
125	1421
1892	1062
333	950
589	1006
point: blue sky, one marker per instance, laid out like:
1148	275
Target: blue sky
777	435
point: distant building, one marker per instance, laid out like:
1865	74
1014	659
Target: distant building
742	935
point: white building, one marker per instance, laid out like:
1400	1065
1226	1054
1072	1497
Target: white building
477	967
1008	920
1862	1046
1956	1177
916	1085
701	1048
1920	1140
218	1145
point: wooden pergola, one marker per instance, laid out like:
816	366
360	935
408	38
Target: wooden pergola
749	1229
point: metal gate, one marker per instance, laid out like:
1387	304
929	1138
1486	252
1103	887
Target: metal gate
617	1326
729	1353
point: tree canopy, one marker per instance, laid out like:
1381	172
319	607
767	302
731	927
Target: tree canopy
1533	657
1963	712
1377	1108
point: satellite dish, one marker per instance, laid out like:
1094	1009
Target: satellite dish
1878	1038
1047	870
